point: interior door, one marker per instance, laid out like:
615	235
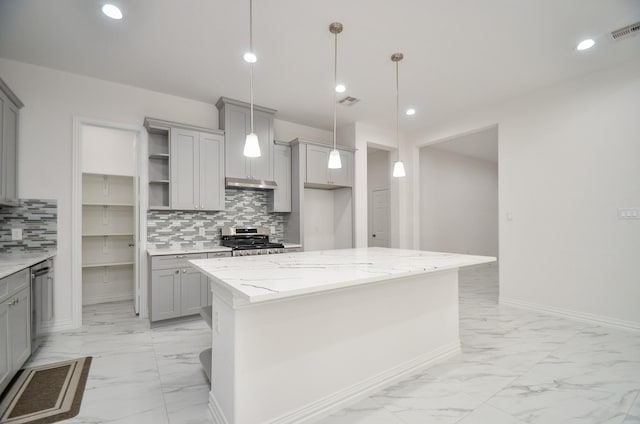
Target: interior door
380	218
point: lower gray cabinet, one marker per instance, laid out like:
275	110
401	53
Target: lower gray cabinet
15	325
177	289
191	291
165	294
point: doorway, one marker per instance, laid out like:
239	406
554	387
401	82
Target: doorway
459	194
378	197
107	218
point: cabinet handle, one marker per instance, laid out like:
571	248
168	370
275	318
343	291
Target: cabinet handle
180	256
177	271
184	271
196	206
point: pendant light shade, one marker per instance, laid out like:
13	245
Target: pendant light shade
251	143
334	157
398	167
334	160
252	146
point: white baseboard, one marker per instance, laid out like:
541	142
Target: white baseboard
338	400
574	315
215	411
106	299
58	325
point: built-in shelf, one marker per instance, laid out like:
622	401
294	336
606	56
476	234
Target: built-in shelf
108	204
108	235
107	264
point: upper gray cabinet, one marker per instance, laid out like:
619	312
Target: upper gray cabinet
318	172
10	106
186	166
235	120
279	200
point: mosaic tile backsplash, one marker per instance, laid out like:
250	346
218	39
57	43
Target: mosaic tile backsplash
244	208
39	222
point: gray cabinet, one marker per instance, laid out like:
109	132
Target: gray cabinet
15	324
177	289
318	172
186	166
279	200
165	294
10	106
235	120
197	177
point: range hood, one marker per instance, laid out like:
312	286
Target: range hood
246	183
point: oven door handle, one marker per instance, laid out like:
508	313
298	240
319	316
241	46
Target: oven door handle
40	272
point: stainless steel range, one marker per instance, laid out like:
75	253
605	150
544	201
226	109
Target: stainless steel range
249	241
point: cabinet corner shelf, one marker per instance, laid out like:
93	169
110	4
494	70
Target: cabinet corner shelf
107	264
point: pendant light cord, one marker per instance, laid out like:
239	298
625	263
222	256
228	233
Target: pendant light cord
251	63
335	83
397	111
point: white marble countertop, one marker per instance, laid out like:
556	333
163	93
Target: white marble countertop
180	251
261	278
13	262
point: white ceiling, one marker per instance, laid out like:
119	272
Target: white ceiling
459	54
480	145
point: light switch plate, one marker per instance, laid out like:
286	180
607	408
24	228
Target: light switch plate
16	234
201	231
629	213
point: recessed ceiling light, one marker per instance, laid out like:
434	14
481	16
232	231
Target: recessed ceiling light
410	111
586	44
112	11
250	57
340	88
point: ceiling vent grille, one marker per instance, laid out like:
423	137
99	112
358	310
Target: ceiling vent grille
626	32
348	101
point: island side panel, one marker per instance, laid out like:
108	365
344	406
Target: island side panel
298	358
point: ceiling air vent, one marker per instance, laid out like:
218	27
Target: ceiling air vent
626	32
348	101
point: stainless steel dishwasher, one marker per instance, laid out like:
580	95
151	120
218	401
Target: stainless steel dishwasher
41	299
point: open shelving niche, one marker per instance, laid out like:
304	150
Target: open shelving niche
108	256
159	171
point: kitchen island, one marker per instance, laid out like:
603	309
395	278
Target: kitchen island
298	336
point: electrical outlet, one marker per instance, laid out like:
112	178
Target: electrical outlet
16	234
273	229
201	231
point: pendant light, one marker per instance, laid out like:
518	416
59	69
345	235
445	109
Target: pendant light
334	157
251	144
398	167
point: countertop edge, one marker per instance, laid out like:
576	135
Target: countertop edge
25	261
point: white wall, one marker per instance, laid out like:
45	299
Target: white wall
568	159
458	203
52	98
108	151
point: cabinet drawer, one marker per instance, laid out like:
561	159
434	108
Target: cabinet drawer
174	261
218	255
14	283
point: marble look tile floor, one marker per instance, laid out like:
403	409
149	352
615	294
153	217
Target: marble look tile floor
516	367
